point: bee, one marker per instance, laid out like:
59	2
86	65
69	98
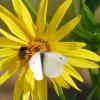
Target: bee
22	52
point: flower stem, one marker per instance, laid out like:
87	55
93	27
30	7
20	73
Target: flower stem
91	94
75	7
21	98
61	94
98	86
93	77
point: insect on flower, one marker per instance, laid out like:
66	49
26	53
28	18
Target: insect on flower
49	63
22	52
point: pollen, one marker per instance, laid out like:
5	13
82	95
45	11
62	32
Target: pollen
37	45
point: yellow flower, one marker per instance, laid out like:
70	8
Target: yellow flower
25	38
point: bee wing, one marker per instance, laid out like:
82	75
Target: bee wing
35	65
53	64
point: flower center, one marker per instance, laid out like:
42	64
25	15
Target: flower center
33	47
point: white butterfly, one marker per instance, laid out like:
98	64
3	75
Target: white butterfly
51	64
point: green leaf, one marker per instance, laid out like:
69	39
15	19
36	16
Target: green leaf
97	35
97	29
82	33
89	15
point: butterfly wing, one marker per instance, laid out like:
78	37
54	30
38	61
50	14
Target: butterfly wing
35	65
53	64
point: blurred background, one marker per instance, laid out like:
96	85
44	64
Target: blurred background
6	90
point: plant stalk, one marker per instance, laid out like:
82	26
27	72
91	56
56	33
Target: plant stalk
61	94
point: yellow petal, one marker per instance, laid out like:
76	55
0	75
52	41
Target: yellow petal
69	80
13	23
34	93
66	29
10	46
42	89
6	43
83	53
26	95
28	84
57	18
30	79
72	72
8	74
26	17
41	18
60	81
66	46
81	63
7	62
27	90
55	86
11	37
17	9
18	89
7	52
